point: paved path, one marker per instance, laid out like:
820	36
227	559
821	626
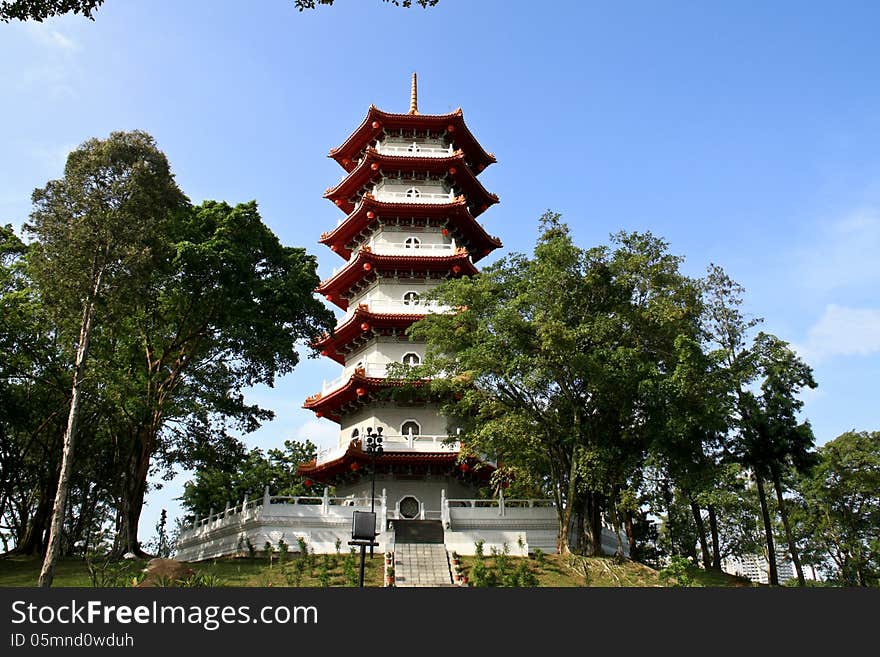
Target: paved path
421	564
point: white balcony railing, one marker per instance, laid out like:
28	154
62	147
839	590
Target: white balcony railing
405	443
414	150
395	248
372	370
397	307
407	197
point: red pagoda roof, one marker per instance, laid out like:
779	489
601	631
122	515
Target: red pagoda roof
378	121
352	328
369	262
455	211
374	163
357	388
355	459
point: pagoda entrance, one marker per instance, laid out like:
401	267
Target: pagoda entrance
418	531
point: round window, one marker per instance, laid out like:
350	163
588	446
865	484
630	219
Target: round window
409	507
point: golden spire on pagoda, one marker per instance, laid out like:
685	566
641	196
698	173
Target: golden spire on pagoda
414	96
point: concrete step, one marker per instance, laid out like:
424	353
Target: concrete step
421	564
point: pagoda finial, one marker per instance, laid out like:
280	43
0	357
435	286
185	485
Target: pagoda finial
414	96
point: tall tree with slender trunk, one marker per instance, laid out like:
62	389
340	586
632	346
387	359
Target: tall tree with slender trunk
96	233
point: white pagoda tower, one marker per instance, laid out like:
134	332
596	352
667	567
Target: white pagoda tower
410	201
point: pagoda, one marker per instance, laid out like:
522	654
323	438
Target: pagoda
410	199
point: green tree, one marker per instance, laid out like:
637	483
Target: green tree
227	308
839	515
552	365
39	10
772	439
218	483
96	232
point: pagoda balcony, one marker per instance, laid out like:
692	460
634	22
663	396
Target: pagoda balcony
407	197
368	370
415	150
397	308
405	443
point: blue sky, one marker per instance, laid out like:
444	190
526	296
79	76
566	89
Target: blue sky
744	133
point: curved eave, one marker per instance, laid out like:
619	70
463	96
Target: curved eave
355	455
343	193
365	133
335	286
456	211
329	405
331	343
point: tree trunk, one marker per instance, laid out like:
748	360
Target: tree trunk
768	532
716	547
783	512
34	537
134	489
592	524
47	573
630	529
701	532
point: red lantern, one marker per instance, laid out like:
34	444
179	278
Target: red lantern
367	266
355	467
308	483
450	128
456	269
464	467
338	201
445	232
361	392
365	327
452	171
376	125
371	215
346	162
334	248
481	166
319	414
484	207
329	297
374	166
325	352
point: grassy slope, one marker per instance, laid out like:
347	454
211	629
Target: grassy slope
556	571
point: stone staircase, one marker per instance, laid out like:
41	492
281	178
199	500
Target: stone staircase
420	557
421	564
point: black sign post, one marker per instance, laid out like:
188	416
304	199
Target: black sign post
363	533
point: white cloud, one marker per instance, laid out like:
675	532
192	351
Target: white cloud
843	254
323	434
842	331
47	36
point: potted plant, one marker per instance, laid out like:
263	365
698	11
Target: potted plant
389	576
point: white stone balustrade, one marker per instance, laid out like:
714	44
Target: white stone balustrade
414	149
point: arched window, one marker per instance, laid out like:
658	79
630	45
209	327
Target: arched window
355	433
410	428
412	243
413	192
411	299
411	359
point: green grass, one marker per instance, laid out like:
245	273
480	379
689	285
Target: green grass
24	571
576	571
555	571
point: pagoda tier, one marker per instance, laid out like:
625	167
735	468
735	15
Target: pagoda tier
353	461
379	125
367	267
359	389
376	166
362	327
371	214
